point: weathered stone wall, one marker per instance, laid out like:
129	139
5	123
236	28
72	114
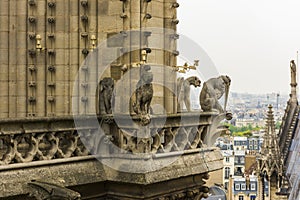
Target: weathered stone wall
39	82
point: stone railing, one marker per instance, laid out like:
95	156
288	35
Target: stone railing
164	134
63	151
28	140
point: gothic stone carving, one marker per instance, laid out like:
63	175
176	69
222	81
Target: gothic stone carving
106	97
144	94
293	73
48	191
183	91
212	91
144	91
196	193
24	148
162	140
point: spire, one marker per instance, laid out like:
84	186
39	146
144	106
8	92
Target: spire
270	144
293	95
270	165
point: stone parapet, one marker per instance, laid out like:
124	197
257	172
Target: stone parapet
54	150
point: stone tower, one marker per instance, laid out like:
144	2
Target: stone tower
44	43
270	166
70	60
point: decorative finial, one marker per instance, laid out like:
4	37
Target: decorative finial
293	80
270	106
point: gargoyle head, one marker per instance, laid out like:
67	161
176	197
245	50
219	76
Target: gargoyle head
226	80
147	78
196	81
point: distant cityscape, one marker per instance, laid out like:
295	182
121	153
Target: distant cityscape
240	154
240	178
249	109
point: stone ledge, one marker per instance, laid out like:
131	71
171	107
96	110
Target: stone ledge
14	182
180	166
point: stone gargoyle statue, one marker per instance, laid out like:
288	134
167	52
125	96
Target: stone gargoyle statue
144	94
144	91
183	91
293	72
212	91
106	96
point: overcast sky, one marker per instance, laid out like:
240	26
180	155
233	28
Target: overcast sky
252	41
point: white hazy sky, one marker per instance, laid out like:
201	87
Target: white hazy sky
252	41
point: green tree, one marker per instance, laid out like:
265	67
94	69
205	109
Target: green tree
277	125
245	131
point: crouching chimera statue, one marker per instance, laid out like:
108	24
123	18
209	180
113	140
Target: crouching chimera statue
212	91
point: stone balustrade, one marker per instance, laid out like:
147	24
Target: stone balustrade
176	132
60	150
29	140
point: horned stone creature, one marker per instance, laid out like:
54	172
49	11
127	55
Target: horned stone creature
183	91
106	96
212	91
